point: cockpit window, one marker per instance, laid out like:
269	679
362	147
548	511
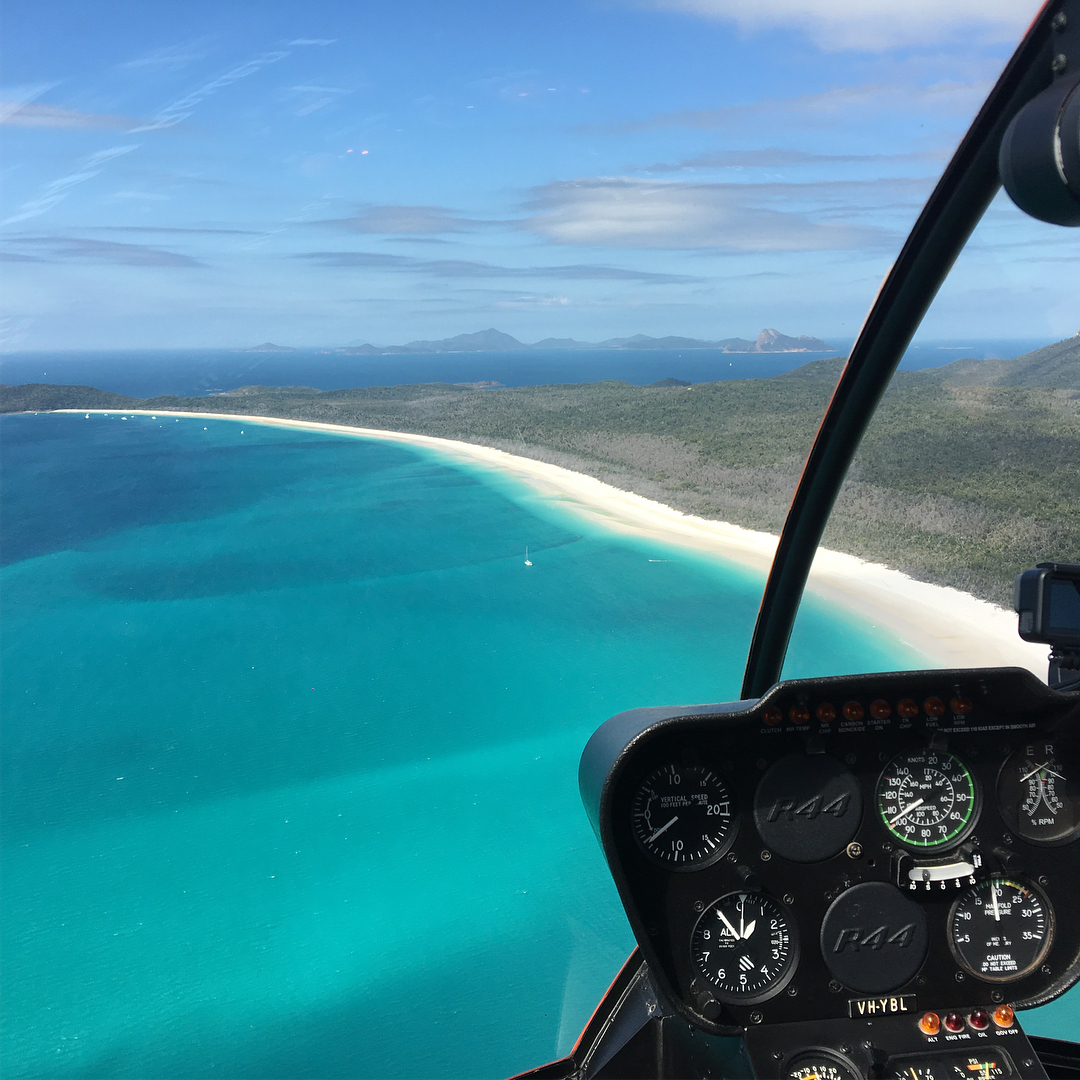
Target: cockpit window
292	715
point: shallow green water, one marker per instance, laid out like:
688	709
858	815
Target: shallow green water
290	741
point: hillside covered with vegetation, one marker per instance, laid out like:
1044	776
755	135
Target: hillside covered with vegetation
959	481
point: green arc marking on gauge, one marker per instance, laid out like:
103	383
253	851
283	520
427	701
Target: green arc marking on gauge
945	792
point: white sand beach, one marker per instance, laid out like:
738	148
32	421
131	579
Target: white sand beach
950	628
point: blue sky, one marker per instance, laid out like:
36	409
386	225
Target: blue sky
222	173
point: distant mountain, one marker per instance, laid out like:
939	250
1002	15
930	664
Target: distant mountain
774	341
268	346
1056	366
641	341
493	340
490	340
563	343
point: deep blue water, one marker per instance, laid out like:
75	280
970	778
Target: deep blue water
195	372
290	740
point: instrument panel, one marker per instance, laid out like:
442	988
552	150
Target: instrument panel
848	847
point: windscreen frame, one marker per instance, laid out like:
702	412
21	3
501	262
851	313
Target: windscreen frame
955	207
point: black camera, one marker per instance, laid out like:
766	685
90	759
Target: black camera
1047	599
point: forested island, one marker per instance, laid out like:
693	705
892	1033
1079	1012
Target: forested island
968	474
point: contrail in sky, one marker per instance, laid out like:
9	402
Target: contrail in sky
52	193
170	116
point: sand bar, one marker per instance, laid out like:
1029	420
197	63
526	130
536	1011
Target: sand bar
950	628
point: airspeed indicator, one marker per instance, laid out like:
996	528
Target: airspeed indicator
927	798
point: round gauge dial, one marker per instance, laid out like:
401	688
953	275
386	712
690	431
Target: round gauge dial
745	947
1039	793
821	1065
682	816
1000	929
927	799
985	1066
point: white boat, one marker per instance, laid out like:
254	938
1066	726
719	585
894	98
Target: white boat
528	561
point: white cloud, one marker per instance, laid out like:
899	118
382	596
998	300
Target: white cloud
13	99
17	114
403	219
621	212
826	108
872	25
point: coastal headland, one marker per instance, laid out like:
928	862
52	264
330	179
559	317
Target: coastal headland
949	627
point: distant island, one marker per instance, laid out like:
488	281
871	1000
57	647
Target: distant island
968	473
492	340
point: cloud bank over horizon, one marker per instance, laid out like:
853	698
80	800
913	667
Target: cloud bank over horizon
689	167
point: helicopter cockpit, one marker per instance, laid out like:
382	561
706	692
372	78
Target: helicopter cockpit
864	876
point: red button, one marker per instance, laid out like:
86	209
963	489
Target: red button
953	1022
979	1020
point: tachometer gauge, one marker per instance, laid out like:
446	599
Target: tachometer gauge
1000	930
745	947
682	816
927	799
1039	793
820	1065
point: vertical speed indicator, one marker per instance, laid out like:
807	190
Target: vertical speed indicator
682	816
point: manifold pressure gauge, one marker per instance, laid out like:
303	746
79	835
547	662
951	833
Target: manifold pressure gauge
1000	930
927	799
682	816
744	947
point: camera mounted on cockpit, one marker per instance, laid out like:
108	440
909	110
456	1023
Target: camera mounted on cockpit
1047	599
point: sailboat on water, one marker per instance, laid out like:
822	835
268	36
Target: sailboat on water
528	561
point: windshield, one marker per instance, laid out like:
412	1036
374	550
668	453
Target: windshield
438	377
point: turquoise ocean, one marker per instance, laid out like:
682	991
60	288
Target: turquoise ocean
289	749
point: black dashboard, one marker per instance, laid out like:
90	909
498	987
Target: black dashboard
894	845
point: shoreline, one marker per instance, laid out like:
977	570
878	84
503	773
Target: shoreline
950	628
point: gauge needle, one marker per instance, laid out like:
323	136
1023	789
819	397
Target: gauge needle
662	829
907	810
750	929
724	919
742	920
997	910
1039	768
